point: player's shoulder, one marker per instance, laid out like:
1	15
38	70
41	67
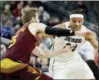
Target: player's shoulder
37	24
35	27
86	29
89	30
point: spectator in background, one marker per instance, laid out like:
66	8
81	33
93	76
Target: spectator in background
44	16
29	3
17	27
7	10
13	5
44	63
7	30
53	21
17	11
81	5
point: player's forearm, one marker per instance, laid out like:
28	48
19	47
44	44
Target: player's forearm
49	30
39	27
94	43
46	53
50	53
58	31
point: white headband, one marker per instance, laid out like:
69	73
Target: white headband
76	16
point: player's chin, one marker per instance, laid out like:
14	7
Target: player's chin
77	29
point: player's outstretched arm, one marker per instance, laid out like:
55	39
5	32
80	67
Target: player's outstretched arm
40	27
45	53
59	32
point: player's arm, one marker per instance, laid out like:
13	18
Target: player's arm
59	32
45	53
91	37
39	27
63	26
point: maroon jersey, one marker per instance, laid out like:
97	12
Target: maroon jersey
22	45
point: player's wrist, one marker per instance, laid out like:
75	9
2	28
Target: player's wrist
72	32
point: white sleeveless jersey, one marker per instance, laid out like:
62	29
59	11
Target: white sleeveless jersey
71	42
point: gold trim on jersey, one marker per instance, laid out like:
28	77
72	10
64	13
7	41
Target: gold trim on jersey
9	66
32	70
37	78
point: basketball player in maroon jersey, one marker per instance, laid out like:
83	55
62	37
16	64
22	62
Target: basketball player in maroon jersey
15	64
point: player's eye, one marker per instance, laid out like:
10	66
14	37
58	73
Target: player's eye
79	21
64	47
74	21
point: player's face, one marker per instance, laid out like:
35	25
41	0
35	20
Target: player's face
76	23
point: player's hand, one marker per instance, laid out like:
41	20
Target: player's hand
88	36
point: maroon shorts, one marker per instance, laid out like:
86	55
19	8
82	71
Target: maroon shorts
28	73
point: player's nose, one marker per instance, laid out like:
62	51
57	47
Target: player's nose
77	23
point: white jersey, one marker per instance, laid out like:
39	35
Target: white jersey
69	65
74	42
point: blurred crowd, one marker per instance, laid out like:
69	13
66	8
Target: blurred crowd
11	20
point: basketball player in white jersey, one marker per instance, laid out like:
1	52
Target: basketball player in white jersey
70	65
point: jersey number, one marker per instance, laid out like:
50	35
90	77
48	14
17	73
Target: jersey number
69	44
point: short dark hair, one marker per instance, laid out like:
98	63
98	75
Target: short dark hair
78	11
